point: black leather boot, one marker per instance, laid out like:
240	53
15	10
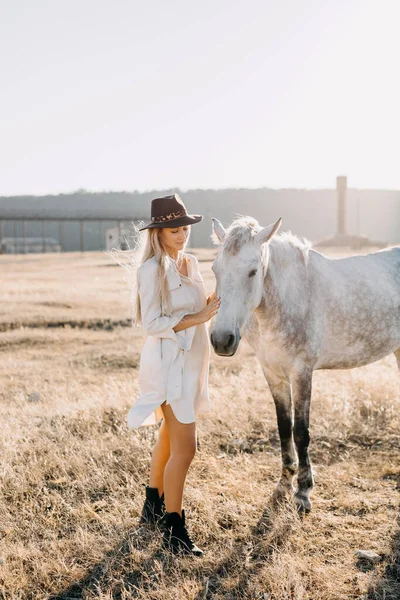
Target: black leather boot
176	537
153	507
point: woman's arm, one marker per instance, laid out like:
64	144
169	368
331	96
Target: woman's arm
160	325
154	322
204	315
200	317
187	321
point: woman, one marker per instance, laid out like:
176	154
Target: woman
172	305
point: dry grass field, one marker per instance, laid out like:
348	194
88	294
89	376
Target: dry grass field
72	475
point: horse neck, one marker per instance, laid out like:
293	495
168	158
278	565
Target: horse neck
286	278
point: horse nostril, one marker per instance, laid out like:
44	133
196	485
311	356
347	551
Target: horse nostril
212	338
231	339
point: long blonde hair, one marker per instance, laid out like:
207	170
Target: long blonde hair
146	244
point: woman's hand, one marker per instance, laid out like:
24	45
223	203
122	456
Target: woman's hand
211	309
210	297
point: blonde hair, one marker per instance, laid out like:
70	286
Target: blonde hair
146	244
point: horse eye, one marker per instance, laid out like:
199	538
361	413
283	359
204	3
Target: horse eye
252	272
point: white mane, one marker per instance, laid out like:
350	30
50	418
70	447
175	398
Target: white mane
243	229
287	240
239	233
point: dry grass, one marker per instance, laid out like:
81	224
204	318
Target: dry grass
72	475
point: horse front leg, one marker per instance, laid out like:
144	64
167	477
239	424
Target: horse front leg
280	390
301	394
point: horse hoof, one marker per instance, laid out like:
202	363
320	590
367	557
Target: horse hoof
303	503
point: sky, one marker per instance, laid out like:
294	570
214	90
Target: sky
128	95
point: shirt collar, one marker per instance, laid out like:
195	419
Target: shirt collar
175	277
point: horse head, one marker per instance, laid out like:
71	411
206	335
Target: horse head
240	268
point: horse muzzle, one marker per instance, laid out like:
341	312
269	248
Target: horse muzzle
225	343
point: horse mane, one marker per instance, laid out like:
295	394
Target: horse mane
243	229
240	232
287	239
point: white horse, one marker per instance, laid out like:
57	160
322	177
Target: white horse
301	311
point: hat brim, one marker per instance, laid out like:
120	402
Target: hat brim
186	220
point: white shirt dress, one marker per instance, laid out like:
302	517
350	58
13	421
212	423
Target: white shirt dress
174	366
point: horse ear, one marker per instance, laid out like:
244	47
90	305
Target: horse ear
218	234
267	232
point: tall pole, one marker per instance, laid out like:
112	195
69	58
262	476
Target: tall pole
24	225
43	236
82	240
61	235
341	187
15	236
101	242
119	234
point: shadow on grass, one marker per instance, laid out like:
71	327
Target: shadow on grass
273	529
388	586
116	575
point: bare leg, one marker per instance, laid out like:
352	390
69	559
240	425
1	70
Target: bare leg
280	390
159	458
182	438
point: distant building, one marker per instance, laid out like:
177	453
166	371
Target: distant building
20	245
117	238
80	220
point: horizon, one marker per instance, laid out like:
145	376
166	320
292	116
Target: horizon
83	191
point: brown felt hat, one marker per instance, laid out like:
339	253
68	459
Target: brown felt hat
169	211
